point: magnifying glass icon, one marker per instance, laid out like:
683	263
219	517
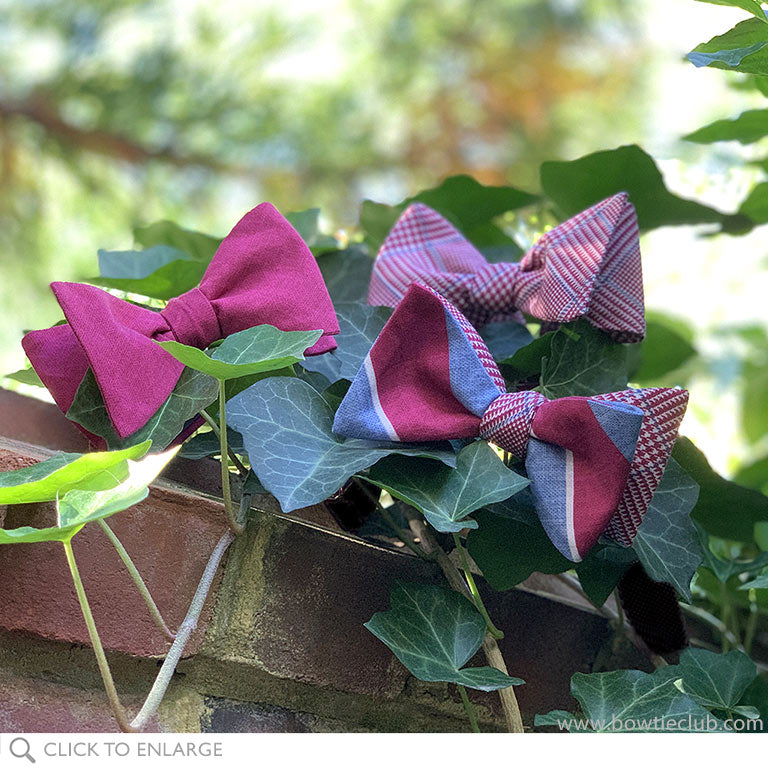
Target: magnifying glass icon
22	750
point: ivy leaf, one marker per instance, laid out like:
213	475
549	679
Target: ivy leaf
600	572
287	431
583	361
575	185
724	508
359	326
610	700
193	392
255	350
666	347
761	582
197	245
63	472
78	507
206	444
446	496
560	719
715	680
741	49
527	361
346	274
725	569
510	546
753	6
138	264
666	542
25	376
747	128
434	632
167	281
505	339
307	224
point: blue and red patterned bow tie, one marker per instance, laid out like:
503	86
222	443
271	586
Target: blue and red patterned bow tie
587	266
593	462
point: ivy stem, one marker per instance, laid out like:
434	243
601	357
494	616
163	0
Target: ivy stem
185	631
490	646
751	626
236	527
98	649
468	708
241	468
495	632
137	580
725	614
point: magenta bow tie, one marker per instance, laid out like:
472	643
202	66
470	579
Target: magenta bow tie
587	266
593	462
262	273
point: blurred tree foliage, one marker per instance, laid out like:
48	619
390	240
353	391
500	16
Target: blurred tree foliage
119	112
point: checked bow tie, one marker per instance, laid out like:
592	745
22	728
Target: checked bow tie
593	462
589	265
262	273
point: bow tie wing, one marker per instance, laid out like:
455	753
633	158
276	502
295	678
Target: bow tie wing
588	265
423	247
263	272
134	374
428	376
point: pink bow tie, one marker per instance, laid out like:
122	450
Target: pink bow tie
594	462
589	265
262	273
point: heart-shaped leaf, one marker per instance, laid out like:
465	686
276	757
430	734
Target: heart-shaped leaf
714	680
207	444
583	361
255	350
359	326
287	431
346	274
193	392
197	245
435	632
666	542
53	477
170	280
505	339
446	496
307	224
77	508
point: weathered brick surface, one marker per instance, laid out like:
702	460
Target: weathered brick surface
169	537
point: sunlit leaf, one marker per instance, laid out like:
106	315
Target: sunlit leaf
747	128
741	49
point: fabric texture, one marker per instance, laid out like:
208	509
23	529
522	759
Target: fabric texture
262	273
593	462
587	266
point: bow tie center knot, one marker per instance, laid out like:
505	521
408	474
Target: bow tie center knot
508	419
192	319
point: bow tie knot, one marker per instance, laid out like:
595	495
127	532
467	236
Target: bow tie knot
508	422
193	319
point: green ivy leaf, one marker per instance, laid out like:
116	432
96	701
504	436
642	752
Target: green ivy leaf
63	472
761	582
583	361
79	507
25	376
287	431
505	339
206	444
600	572
747	128
724	508
666	542
741	49
346	274
434	632
755	7
575	185
560	719
259	349
725	569
527	361
754	475
716	681
359	326
138	264
610	700
307	224
666	347
197	245
446	496
167	281
193	392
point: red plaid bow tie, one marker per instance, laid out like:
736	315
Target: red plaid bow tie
589	265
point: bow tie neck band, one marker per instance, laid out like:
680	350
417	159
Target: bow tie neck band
262	273
593	462
587	266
